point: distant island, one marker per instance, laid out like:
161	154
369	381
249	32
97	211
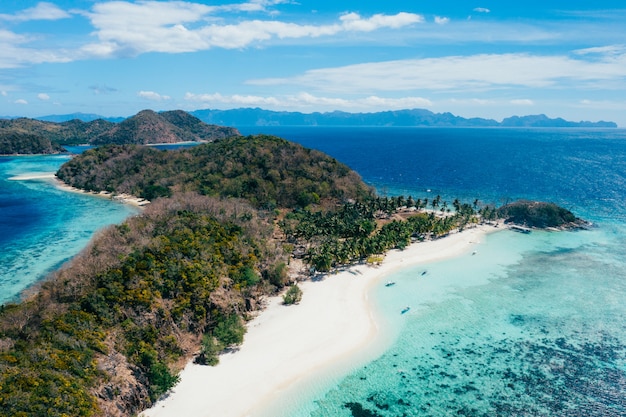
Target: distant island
21	143
32	136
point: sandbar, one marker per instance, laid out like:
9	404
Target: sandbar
286	345
33	176
123	198
51	176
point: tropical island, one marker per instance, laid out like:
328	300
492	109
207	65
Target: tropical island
231	223
32	136
20	143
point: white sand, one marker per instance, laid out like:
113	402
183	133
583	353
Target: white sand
285	345
33	176
123	198
51	176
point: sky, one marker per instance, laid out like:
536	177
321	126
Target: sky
473	58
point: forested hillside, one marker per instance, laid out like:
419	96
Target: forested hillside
265	170
146	127
15	143
107	335
149	127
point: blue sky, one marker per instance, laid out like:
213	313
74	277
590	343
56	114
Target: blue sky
473	58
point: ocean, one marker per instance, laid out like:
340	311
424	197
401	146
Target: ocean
531	325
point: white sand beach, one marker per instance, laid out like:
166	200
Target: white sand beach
123	198
33	176
285	345
50	176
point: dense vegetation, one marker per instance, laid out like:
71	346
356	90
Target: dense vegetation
104	336
362	230
148	127
16	143
538	214
265	170
144	128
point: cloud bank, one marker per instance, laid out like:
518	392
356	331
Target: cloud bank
468	73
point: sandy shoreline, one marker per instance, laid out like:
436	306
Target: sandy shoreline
284	345
124	198
50	176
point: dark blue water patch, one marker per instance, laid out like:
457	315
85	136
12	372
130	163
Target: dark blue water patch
78	149
577	168
19	215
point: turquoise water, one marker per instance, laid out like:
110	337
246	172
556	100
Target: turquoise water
41	226
540	335
532	325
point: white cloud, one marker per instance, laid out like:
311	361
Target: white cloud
43	96
3	93
14	55
464	73
102	89
471	101
238	100
602	104
175	27
252	6
608	50
441	20
151	95
42	11
395	103
482	10
308	101
522	102
20	101
354	22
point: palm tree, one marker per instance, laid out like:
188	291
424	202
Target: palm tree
457	205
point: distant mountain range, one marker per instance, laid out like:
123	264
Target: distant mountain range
149	127
414	117
85	117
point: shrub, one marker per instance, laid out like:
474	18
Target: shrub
293	295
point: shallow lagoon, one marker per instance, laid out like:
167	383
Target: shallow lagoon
41	226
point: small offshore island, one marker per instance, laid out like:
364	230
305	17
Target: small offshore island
230	223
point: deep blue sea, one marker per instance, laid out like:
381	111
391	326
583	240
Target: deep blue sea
532	325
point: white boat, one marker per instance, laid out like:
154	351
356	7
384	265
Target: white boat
405	309
389	283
